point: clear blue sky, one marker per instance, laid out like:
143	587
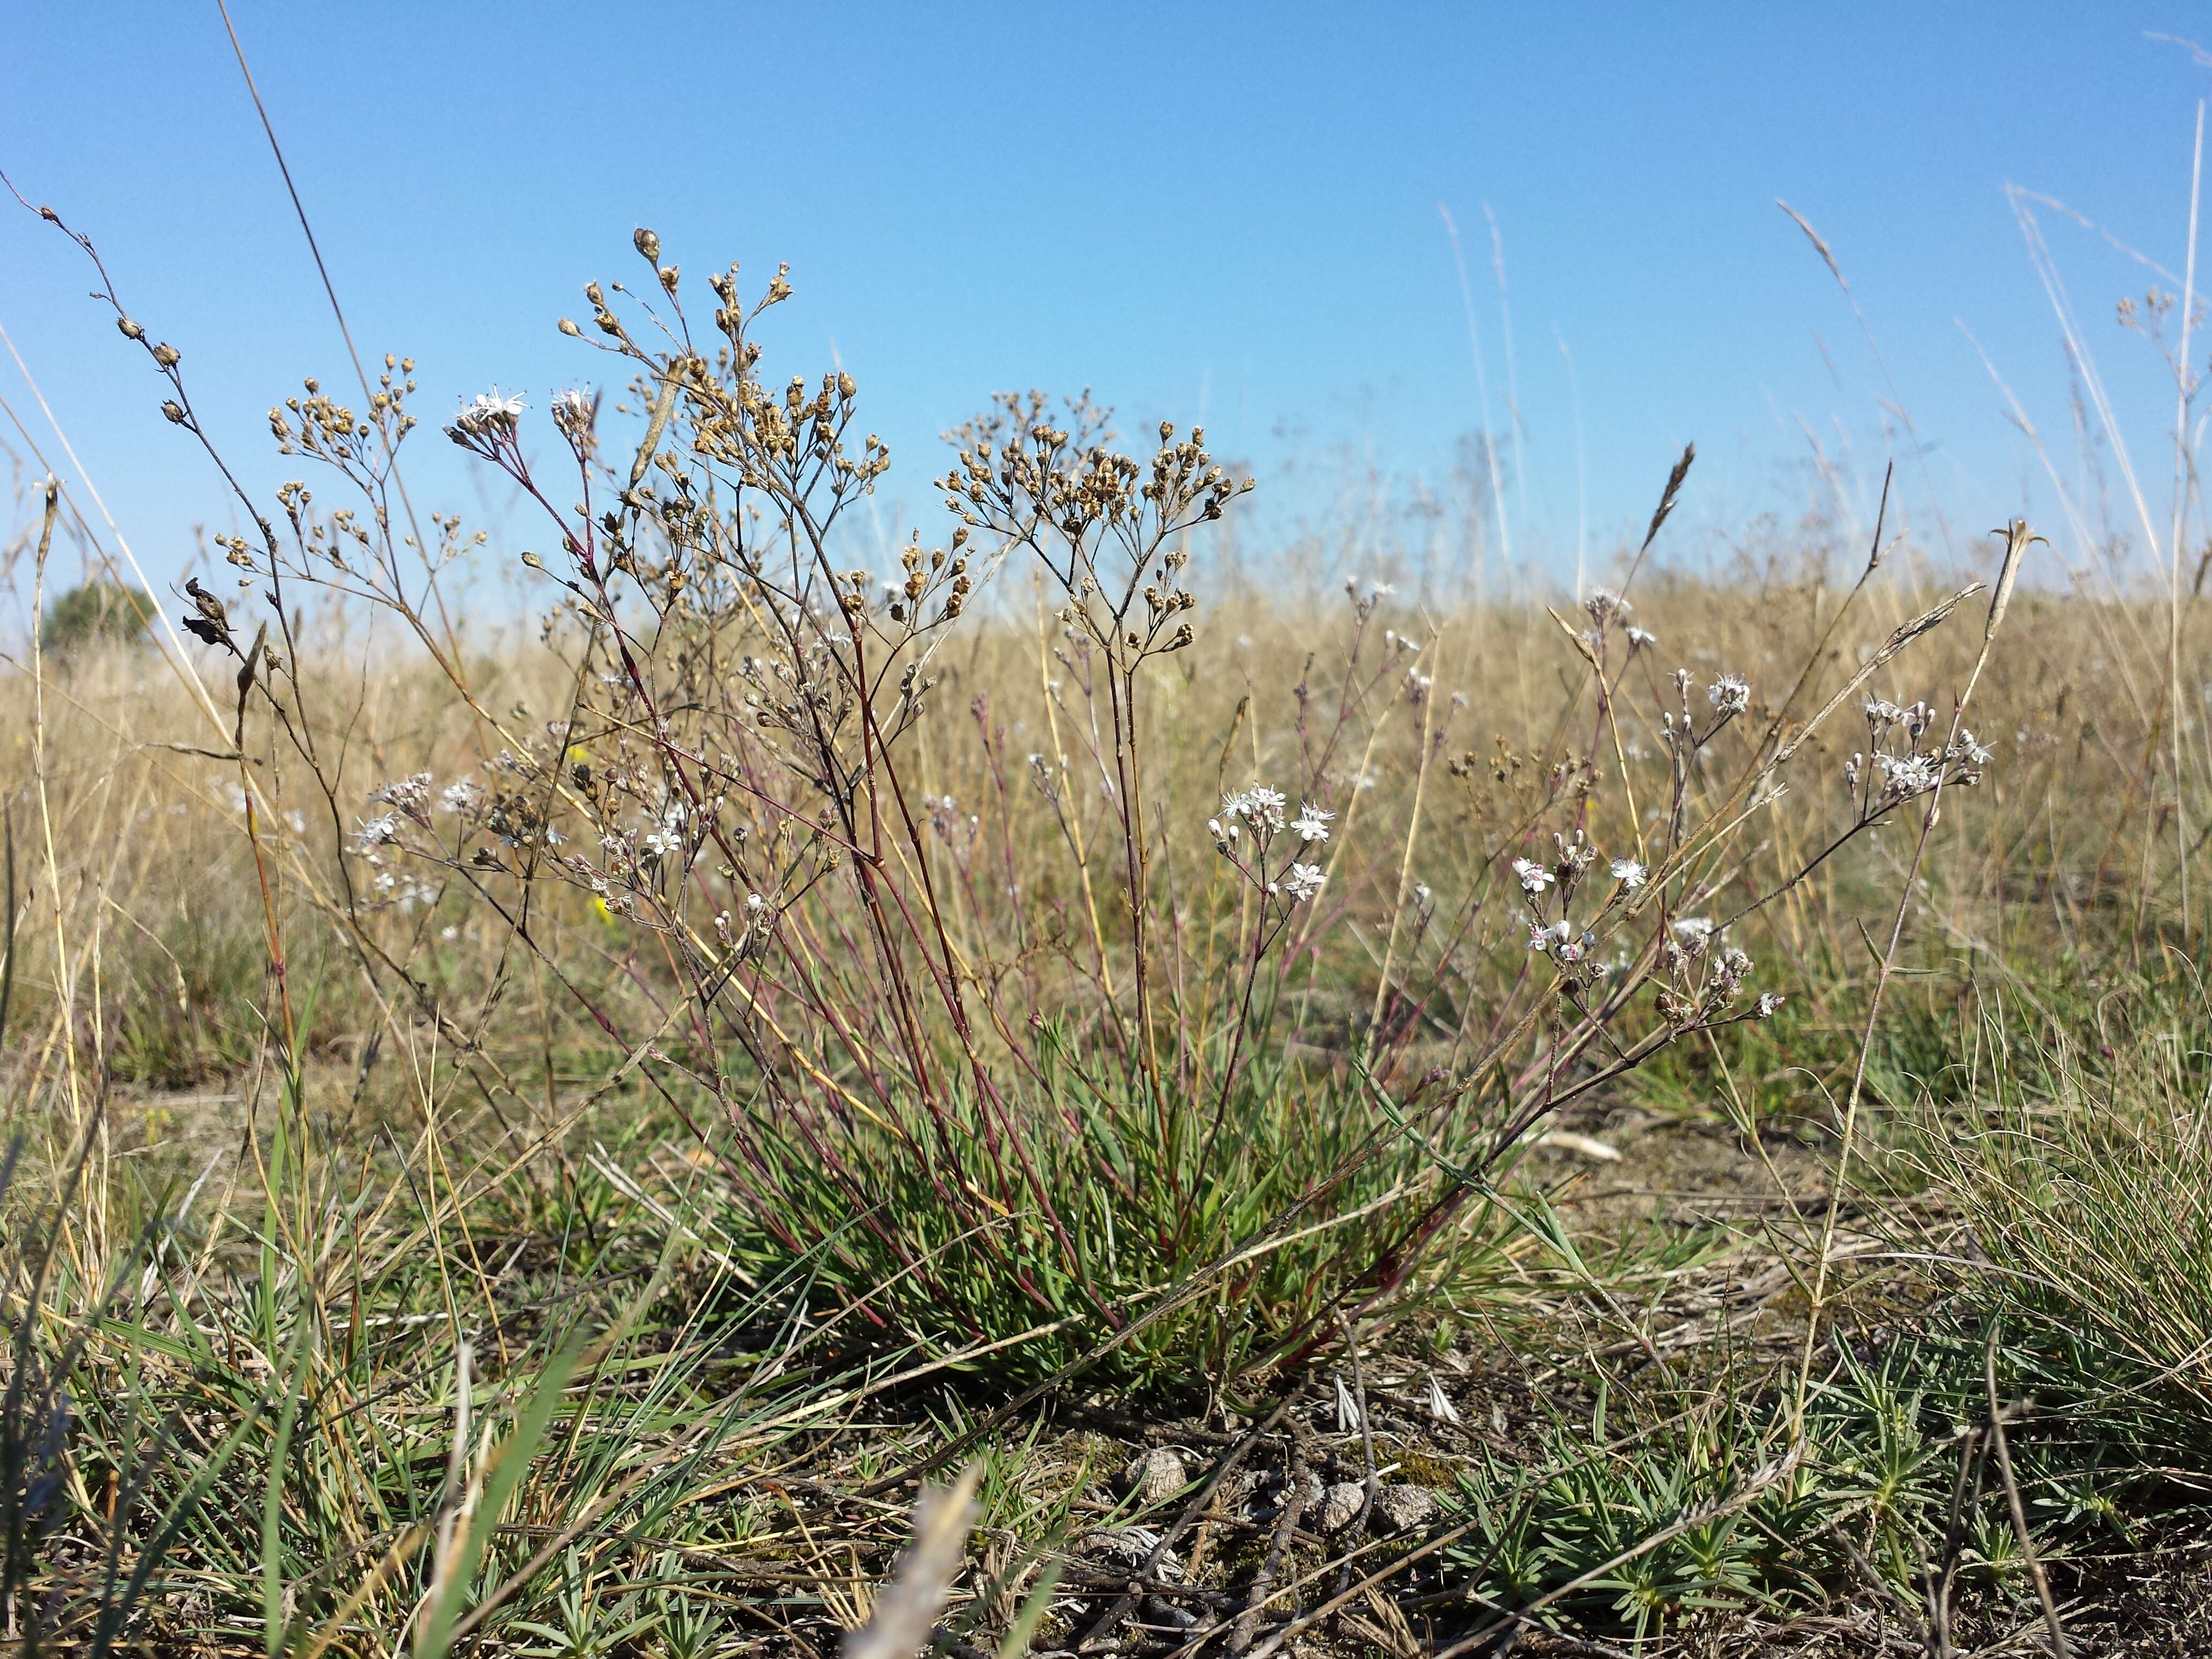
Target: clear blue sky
1225	209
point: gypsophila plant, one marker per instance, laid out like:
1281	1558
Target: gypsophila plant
1051	1111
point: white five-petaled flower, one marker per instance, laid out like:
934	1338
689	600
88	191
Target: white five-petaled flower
1908	774
1730	693
1534	877
1311	824
407	793
1260	806
1768	1002
1302	881
1640	637
1604	604
491	415
573	410
1542	938
375	832
1694	927
1629	874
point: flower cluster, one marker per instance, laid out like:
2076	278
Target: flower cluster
1254	821
1894	768
487	423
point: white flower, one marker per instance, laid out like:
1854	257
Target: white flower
1534	877
490	416
573	410
375	832
1311	824
1730	693
407	793
754	901
1543	938
1260	806
1604	604
1696	928
459	795
1907	775
1302	881
1768	1002
1629	874
1640	637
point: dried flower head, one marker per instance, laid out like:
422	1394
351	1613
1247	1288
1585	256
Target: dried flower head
1730	695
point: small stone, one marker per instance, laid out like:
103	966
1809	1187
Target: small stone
1405	1509
1155	1476
1340	1503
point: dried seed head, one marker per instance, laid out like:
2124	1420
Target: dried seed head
647	244
166	356
131	330
2019	538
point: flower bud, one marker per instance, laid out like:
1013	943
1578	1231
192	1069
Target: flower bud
175	410
131	330
569	328
647	244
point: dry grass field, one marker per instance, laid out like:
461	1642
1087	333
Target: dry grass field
1218	1114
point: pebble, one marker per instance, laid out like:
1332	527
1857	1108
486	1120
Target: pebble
1340	1503
1155	1476
1405	1509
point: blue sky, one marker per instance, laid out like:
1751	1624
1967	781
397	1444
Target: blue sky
1229	210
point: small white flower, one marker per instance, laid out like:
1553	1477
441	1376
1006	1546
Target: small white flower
1629	874
1302	881
1640	637
459	795
754	901
1311	824
1730	693
573	410
1261	806
1542	938
1768	1002
1907	775
406	793
375	832
1534	877
1695	928
490	416
1604	604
